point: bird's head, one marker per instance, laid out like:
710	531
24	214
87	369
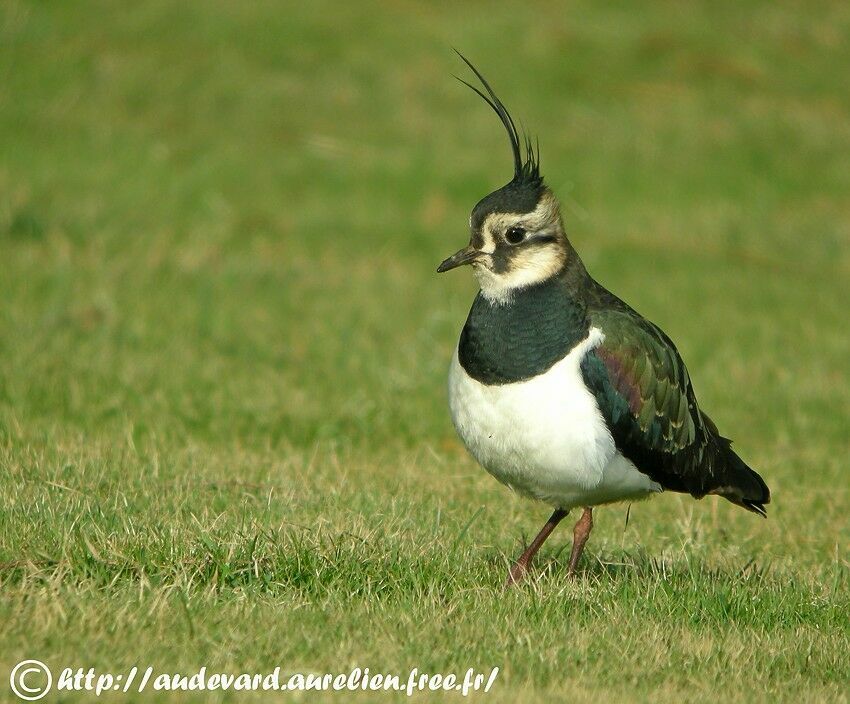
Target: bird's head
516	233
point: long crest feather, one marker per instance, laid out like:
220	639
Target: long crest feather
527	169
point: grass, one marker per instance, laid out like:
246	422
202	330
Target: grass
223	429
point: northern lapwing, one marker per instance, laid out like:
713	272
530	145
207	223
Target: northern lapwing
561	390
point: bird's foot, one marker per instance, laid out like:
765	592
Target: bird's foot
516	574
520	568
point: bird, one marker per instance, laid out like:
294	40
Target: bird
557	387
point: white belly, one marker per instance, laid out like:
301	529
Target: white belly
545	437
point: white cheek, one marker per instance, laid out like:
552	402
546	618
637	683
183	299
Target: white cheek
526	270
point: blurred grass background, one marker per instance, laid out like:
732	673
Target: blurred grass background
224	438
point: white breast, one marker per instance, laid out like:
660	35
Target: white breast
545	437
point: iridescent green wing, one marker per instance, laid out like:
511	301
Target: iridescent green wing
644	393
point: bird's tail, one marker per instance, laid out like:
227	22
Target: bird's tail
742	485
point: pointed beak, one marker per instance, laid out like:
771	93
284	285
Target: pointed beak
467	255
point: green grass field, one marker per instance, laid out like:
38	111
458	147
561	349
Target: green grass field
224	438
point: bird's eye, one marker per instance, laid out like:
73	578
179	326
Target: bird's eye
514	235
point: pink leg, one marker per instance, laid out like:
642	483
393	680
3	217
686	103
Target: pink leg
520	567
581	532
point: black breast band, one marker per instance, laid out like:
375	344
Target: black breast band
515	341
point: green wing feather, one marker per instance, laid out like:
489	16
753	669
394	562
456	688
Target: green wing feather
646	379
645	395
644	392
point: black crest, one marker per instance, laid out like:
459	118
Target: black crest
523	191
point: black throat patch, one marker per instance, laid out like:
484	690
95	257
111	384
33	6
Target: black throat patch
501	344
